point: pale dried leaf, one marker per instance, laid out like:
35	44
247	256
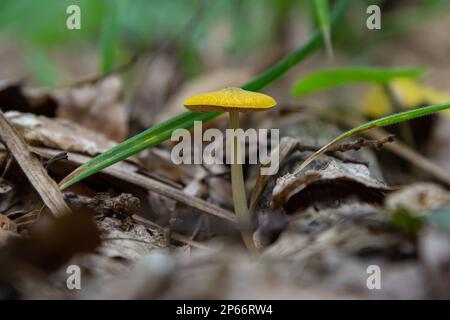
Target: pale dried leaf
331	170
97	107
7	224
33	169
418	197
58	134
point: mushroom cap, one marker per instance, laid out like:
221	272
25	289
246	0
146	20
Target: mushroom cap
230	99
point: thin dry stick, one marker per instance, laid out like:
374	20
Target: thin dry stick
33	169
171	193
362	143
344	147
149	184
335	151
398	148
56	158
412	156
92	79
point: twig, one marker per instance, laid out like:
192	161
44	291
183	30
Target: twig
92	79
26	216
33	169
58	157
288	145
349	146
148	184
347	159
363	143
354	145
402	150
398	148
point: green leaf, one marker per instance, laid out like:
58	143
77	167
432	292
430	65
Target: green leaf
109	35
334	77
323	17
146	139
381	122
163	131
406	221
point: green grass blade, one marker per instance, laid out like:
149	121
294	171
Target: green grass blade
163	131
146	139
381	122
109	36
334	77
323	17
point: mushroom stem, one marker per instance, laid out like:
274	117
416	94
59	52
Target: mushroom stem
238	186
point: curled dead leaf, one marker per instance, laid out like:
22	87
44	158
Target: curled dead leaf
7	224
418	197
325	170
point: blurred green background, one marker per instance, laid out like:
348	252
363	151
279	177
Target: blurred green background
115	30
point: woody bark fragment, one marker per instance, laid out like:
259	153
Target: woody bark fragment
33	169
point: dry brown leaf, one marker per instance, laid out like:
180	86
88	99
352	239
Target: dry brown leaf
58	134
14	97
128	239
123	173
33	169
97	107
123	218
325	170
158	76
418	197
158	162
7	224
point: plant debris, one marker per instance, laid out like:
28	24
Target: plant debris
95	204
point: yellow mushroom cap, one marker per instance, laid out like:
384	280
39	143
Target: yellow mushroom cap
230	99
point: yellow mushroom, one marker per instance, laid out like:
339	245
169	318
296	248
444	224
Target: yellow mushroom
233	101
